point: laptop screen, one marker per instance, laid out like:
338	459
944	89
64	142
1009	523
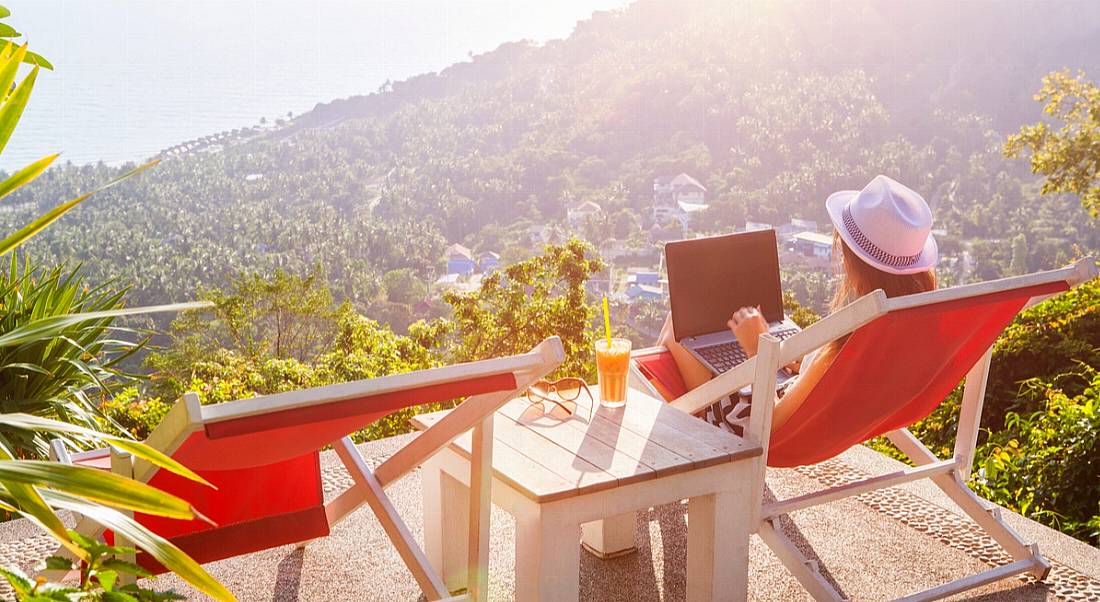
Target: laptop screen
710	278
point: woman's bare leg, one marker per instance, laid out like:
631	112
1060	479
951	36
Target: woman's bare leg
692	370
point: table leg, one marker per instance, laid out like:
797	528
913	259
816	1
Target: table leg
446	523
718	546
548	555
610	537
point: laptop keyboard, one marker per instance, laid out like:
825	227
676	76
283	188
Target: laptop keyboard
724	356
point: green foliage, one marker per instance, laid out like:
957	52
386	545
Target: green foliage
1069	158
1044	464
34	489
479	152
281	316
403	286
231	355
68	372
269	335
520	305
129	413
100	577
798	313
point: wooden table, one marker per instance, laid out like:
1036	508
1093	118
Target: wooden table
558	478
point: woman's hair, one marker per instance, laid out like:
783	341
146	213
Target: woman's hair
859	278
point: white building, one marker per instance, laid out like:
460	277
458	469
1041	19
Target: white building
582	213
812	244
677	197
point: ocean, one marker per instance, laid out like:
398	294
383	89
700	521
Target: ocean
133	77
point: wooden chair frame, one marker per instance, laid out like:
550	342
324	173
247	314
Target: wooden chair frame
949	475
475	413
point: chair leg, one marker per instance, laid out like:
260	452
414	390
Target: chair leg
407	547
803	569
988	517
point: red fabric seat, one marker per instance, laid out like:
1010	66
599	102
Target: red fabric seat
890	373
661	370
266	469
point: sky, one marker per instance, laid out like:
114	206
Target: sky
136	76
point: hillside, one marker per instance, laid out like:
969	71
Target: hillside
770	114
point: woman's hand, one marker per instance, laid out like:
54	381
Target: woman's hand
747	325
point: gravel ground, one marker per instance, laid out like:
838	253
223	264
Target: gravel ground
876	547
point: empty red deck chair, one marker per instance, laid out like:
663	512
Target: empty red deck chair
263	455
903	356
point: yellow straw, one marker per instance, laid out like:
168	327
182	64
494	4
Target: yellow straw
607	322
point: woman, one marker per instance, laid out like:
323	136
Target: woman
882	240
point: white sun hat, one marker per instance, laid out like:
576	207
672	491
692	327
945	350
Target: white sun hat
887	225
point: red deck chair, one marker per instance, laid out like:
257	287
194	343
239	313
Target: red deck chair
903	357
263	455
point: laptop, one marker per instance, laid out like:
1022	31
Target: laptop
711	278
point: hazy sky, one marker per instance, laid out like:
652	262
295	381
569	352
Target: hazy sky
135	76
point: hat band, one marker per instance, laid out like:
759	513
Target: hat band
894	261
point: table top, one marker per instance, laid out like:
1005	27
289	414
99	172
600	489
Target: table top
548	459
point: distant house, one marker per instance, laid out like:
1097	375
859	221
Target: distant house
544	235
807	225
678	197
488	261
643	276
644	292
460	260
785	232
582	213
812	244
754	226
672	229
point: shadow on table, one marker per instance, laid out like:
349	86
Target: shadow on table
595	450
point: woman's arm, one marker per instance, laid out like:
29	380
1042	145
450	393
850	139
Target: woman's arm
691	369
797	392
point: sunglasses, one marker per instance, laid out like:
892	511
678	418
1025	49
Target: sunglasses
562	394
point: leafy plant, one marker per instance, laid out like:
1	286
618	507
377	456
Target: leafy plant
128	412
1067	157
1044	464
520	305
68	373
34	489
102	577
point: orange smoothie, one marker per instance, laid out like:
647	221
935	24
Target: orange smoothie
613	365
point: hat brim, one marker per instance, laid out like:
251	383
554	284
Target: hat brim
835	204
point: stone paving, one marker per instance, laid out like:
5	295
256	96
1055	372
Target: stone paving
876	546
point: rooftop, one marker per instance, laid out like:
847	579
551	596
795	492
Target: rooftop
458	251
815	238
877	546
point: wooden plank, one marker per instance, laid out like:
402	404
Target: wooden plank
658	430
481	481
588	463
530	478
600	427
642	411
